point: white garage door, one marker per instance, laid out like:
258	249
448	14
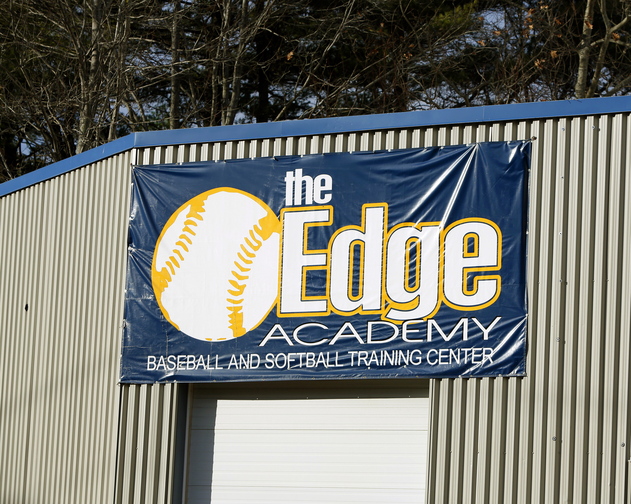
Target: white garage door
321	445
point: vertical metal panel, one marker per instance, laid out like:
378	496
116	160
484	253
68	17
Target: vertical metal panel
561	434
146	450
148	413
62	242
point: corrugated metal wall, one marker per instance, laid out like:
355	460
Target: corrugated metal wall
562	434
67	429
61	244
148	432
559	435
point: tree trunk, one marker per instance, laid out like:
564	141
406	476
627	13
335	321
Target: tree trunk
174	120
88	82
580	90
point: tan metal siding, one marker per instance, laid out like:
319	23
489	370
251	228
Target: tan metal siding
146	450
559	435
61	246
148	413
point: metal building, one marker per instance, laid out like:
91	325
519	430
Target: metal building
70	432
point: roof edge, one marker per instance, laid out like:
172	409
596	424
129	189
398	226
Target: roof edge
336	125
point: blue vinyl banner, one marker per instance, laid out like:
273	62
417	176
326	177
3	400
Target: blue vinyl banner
408	263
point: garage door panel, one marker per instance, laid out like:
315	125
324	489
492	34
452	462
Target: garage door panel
367	452
370	449
294	448
324	414
315	495
363	441
308	462
333	477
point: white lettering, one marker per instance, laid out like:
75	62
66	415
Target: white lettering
397	273
472	247
486	330
321	184
412	271
372	324
297	258
272	331
315	190
309	343
340	334
345	262
432	324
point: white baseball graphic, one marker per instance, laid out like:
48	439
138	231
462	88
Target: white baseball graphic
215	266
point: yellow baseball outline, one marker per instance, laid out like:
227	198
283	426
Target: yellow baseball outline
160	279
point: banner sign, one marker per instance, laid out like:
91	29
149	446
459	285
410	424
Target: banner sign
408	263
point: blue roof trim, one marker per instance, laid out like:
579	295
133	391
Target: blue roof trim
310	127
67	165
